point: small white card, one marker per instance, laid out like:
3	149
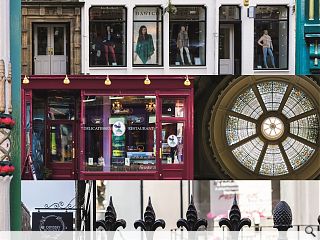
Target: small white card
169	160
90	161
127	161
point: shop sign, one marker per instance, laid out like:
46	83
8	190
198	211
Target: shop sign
52	221
172	141
118	128
146	13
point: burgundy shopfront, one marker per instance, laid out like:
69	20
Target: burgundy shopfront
118	129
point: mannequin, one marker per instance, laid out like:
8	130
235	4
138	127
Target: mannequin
145	47
183	43
265	42
109	45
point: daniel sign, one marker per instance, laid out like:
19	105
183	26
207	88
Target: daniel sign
52	221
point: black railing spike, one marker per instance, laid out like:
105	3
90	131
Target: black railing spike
282	216
235	223
192	222
110	222
319	219
149	223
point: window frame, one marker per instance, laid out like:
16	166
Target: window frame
155	21
288	39
125	35
205	35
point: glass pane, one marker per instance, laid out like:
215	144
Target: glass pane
120	133
38	133
189	13
107	36
28	125
271	41
172	143
147	36
61	108
224	43
173	107
272	12
59	44
61	143
188	37
42	39
229	13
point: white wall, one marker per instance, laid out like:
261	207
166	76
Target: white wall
303	198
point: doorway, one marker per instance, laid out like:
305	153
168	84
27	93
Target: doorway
226	49
50	49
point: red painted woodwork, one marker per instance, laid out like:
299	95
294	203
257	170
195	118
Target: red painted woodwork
162	87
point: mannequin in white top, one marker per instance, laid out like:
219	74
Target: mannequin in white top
265	42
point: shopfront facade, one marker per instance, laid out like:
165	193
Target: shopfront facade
308	37
255	37
205	37
92	129
51	37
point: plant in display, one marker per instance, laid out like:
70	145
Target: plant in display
171	9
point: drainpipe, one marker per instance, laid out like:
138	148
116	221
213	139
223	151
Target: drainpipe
15	57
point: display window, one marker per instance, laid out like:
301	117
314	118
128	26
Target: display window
122	132
271	37
188	36
147	36
107	36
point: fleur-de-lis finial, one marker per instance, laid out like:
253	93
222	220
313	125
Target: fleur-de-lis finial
235	223
192	222
110	222
150	223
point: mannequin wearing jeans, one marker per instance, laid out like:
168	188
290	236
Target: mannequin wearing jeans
266	43
109	45
183	43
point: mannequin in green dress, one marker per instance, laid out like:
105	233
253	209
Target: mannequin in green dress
145	47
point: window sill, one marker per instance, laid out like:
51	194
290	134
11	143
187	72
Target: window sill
271	70
188	67
108	68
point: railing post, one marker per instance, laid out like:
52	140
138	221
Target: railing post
235	223
282	218
110	222
192	223
150	223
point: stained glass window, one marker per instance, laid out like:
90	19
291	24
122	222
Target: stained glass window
272	128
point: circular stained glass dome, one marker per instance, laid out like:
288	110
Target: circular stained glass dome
271	127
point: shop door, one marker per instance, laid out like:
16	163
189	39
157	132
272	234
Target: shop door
50	56
171	142
61	153
226	49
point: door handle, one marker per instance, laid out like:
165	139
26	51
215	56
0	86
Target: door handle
160	153
73	153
